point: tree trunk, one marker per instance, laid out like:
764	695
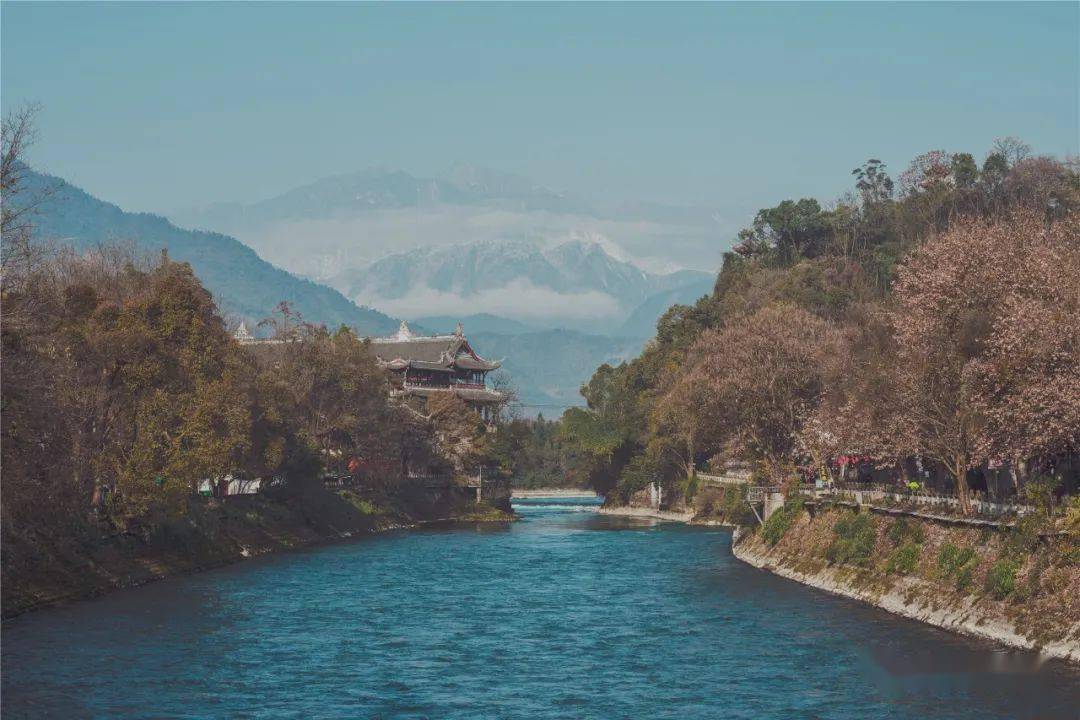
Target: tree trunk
959	471
1015	479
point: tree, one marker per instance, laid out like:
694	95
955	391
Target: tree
1041	184
1012	149
967	365
992	182
873	182
1027	379
926	173
760	378
965	172
794	229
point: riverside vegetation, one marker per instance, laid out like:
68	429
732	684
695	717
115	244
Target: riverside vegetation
124	396
921	334
932	335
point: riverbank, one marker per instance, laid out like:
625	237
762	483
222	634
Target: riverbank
549	617
646	512
47	569
977	582
962	615
1021	596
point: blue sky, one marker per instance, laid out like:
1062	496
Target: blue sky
157	107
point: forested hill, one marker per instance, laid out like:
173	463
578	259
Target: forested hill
929	323
243	284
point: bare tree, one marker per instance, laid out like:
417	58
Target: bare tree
1012	148
17	207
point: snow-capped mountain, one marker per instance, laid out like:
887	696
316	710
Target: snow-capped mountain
346	222
575	284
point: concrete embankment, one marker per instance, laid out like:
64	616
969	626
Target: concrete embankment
1044	619
645	512
1041	612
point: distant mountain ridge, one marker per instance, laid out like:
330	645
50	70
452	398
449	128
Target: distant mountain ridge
347	221
243	284
572	284
546	365
385	188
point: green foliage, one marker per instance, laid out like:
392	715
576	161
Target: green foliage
1001	578
904	559
1072	515
688	487
537	454
1024	538
591	431
730	505
905	529
1041	491
637	475
778	524
964	170
123	393
735	509
856	535
958	565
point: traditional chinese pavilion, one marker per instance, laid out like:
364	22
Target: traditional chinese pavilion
425	366
421	366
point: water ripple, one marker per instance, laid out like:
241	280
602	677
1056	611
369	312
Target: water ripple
567	614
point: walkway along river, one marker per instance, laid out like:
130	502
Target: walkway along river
566	614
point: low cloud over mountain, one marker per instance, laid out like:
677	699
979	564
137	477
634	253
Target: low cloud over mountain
348	221
575	284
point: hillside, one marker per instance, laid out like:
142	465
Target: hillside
243	284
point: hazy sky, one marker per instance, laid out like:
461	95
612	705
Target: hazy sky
157	107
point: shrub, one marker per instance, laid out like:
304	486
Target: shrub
1001	578
904	529
638	474
855	538
780	521
734	508
1072	515
904	559
957	564
1024	538
692	487
1040	492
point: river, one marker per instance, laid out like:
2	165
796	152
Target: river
566	614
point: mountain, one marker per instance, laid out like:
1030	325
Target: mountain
576	284
642	322
383	189
243	284
480	322
345	222
548	367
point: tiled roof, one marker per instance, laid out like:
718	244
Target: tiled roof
428	352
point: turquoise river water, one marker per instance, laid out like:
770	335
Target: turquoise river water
565	614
